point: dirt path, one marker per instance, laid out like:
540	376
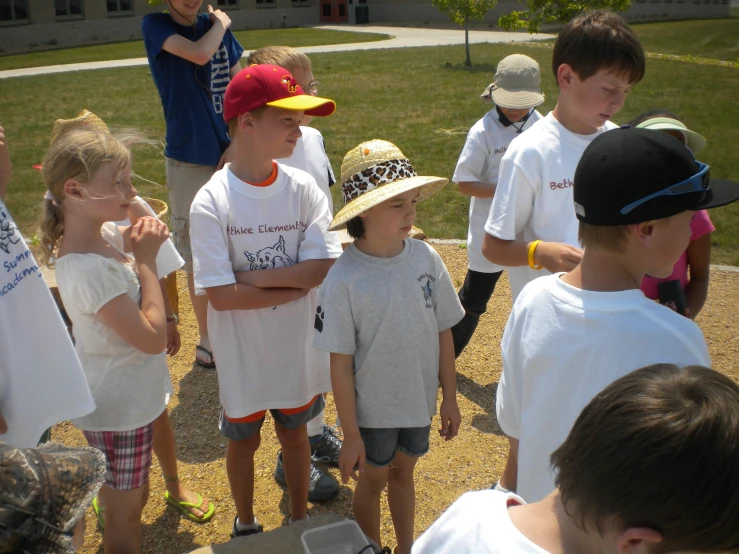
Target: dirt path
471	461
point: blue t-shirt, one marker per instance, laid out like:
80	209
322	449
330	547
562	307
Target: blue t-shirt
192	95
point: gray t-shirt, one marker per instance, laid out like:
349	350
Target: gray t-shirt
388	313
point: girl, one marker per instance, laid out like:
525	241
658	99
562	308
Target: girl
694	266
116	306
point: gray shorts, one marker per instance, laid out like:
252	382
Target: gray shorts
380	445
184	180
237	431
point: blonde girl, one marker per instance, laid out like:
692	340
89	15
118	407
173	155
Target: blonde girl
116	306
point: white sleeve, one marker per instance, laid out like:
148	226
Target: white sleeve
471	161
96	282
318	243
508	393
334	330
210	255
513	201
447	307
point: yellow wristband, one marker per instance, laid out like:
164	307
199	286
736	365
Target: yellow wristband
532	249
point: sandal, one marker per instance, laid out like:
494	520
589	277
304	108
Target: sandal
183	506
99	514
206	365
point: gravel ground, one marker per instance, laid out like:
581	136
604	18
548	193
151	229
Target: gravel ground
471	461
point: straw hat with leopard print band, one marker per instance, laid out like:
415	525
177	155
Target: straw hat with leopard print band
376	171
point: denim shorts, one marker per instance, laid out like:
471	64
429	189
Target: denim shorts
240	430
380	445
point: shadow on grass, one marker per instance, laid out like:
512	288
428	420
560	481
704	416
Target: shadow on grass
483	396
195	418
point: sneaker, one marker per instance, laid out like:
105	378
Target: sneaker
326	448
321	486
246	532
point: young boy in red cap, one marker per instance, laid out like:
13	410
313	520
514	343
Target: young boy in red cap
261	246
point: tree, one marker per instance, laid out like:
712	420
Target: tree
461	11
540	12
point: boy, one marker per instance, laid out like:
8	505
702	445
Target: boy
532	225
309	155
650	465
192	58
385	315
260	247
515	93
570	335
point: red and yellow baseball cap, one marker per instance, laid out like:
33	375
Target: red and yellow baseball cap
270	85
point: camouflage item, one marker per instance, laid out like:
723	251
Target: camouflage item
44	492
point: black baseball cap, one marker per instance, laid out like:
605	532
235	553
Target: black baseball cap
631	175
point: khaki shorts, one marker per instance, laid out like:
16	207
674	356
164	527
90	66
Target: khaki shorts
184	180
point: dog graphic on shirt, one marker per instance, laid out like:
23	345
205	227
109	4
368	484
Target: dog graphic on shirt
269	257
8	233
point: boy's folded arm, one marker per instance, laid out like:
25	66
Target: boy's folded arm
238	296
199	52
303	275
508	253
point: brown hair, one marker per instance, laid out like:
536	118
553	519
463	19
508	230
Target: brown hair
233	123
76	155
658	448
355	228
284	56
598	40
611	238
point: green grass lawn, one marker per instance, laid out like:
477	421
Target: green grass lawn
422	99
708	38
250	40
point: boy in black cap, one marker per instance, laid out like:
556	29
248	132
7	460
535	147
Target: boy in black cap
570	335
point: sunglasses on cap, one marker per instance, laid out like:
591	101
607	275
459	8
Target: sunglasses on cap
697	183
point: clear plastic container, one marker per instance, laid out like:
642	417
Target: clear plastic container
344	537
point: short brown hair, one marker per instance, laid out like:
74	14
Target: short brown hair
284	56
355	228
611	238
658	448
598	40
233	123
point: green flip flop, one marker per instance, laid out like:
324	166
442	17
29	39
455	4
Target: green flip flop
183	506
99	513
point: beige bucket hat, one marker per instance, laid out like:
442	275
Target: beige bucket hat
375	171
517	84
692	140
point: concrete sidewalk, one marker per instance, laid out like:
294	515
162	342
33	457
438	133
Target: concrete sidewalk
401	38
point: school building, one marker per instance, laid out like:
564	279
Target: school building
31	25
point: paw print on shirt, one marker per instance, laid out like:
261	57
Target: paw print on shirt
320	314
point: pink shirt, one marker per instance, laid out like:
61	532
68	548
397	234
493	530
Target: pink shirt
700	226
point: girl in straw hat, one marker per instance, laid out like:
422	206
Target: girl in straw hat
385	313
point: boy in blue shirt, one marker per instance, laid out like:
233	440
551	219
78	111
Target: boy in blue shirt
192	58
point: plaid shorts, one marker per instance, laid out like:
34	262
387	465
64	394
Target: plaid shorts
127	455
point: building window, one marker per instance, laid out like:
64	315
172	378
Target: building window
68	8
120	6
299	2
13	10
265	3
228	3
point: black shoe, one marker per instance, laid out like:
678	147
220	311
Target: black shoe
326	449
321	486
246	532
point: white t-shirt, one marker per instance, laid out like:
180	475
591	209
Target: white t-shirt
388	313
534	196
310	156
129	386
563	345
41	380
478	522
266	358
479	161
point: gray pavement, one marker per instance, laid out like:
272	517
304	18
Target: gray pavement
402	38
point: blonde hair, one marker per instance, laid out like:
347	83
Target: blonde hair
78	155
284	56
610	238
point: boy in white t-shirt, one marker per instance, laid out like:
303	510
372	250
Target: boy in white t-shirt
515	92
532	226
386	312
650	465
570	335
261	246
41	379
